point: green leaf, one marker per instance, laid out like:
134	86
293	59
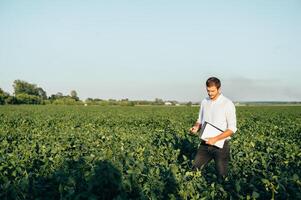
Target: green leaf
255	195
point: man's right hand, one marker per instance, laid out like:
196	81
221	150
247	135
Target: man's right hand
194	130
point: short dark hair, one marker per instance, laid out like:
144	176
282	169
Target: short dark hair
213	81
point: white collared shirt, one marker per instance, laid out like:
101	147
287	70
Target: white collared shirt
219	112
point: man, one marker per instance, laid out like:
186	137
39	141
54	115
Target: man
219	111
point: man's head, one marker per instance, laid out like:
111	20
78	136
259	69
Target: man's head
213	85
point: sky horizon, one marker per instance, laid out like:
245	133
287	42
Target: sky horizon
153	49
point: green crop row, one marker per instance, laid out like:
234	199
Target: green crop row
76	152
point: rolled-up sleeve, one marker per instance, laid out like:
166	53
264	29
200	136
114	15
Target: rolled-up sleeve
231	117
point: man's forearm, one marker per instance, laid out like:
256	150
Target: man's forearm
224	135
221	136
197	124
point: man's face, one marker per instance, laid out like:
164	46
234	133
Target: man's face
213	92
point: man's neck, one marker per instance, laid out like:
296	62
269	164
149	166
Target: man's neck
215	98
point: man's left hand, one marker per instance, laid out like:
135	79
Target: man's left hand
211	141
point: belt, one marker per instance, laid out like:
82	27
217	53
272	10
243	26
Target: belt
203	142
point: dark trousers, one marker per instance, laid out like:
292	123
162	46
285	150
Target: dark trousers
221	157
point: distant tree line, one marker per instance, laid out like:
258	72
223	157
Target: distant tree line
28	93
127	102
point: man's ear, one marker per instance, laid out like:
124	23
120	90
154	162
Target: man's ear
219	90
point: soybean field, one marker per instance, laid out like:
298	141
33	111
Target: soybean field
143	152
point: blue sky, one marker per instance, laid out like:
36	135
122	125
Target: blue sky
153	49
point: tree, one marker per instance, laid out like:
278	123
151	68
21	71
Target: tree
158	101
2	99
189	103
89	99
1	91
59	95
3	96
28	99
11	100
22	87
73	95
27	93
42	93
